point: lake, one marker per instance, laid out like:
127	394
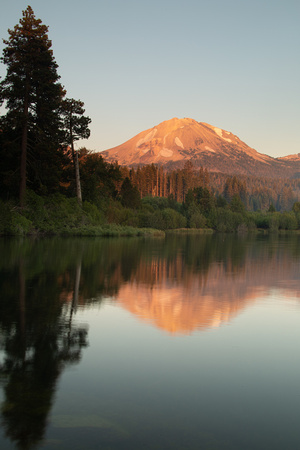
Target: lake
187	342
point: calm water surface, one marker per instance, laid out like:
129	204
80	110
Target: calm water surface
188	342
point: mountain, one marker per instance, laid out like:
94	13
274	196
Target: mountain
173	142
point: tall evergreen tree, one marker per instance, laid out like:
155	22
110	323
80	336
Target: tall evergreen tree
76	127
130	196
32	96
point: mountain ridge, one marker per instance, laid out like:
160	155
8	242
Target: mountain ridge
173	142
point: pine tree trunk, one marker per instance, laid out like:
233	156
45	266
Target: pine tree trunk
77	177
77	173
24	148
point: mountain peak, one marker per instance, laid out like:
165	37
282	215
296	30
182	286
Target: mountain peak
172	142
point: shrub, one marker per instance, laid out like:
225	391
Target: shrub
155	203
288	221
35	208
227	221
117	214
94	215
274	222
157	221
20	225
262	220
197	220
172	219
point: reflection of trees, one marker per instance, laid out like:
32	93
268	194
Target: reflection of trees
39	341
43	282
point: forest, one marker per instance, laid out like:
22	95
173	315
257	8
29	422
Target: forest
49	187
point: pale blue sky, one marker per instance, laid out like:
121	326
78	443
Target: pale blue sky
134	63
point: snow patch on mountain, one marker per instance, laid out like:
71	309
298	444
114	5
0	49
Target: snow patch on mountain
219	132
165	137
166	152
178	142
147	138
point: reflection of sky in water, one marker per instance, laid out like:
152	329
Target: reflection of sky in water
238	382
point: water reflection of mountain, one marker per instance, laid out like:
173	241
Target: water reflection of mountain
181	297
180	284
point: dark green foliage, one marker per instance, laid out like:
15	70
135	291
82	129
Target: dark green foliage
57	214
76	126
288	221
98	178
154	203
225	220
30	143
197	220
116	213
172	219
261	220
221	202
276	221
236	204
165	219
130	196
296	207
198	207
202	198
94	215
272	208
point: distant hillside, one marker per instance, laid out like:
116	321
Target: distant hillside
173	142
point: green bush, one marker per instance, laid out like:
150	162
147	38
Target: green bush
35	208
20	225
262	220
288	221
274	219
172	219
166	219
197	220
117	214
93	214
225	220
161	203
157	220
129	218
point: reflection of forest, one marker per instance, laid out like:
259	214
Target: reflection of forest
37	341
180	284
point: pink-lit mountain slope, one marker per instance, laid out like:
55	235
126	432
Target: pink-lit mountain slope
175	141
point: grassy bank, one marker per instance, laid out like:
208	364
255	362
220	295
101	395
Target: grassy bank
191	231
60	215
111	230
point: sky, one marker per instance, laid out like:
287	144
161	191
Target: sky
134	63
